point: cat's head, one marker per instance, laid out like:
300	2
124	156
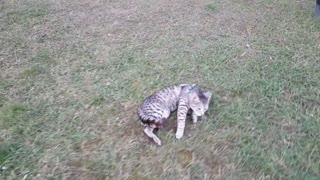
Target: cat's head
199	101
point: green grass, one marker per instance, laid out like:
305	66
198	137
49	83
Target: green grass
212	7
72	78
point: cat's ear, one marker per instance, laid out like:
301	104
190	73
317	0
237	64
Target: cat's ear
208	95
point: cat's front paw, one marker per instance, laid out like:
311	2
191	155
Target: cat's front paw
157	140
194	118
179	135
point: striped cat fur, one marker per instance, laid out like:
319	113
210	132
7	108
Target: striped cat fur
156	108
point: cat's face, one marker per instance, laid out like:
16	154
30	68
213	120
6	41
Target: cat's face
200	104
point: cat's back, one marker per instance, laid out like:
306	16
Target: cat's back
166	94
165	98
157	107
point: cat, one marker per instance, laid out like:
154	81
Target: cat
156	108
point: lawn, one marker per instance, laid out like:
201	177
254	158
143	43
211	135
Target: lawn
74	72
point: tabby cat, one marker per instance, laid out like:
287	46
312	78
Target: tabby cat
156	108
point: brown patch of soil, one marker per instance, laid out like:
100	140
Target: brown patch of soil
184	157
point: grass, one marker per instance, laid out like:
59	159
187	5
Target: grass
212	7
73	74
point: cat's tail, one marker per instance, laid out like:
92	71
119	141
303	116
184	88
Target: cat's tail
151	120
154	123
161	123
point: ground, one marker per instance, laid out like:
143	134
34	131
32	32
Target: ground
74	72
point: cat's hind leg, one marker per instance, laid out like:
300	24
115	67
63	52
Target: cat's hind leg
149	132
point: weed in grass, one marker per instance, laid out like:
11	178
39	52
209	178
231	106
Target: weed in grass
23	16
32	72
11	156
11	114
4	152
212	7
97	100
